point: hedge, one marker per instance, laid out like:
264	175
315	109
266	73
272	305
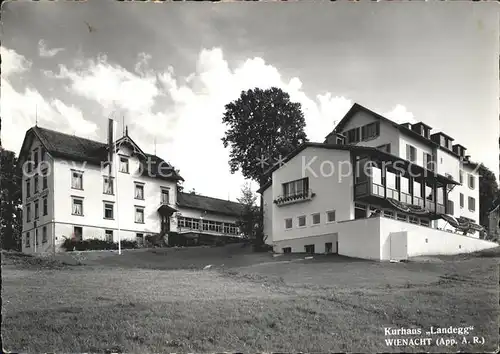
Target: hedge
95	244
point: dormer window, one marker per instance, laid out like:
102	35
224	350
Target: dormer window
124	165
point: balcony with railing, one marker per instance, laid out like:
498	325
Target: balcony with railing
298	197
370	189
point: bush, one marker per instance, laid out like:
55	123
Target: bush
95	245
154	240
127	244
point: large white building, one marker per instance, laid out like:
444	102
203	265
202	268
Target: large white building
374	189
70	190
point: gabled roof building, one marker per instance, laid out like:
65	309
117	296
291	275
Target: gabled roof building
375	189
79	188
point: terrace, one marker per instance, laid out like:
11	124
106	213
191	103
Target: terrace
384	179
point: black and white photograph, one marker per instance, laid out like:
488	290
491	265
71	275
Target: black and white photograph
250	176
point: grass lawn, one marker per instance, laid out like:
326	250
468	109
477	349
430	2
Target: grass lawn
163	301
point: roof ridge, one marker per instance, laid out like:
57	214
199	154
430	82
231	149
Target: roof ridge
206	196
69	135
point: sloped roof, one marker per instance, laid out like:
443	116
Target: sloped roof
70	146
76	148
209	204
407	130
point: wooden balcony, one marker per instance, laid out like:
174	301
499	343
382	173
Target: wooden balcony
368	190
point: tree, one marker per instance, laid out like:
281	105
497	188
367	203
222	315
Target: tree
264	126
249	221
10	204
488	192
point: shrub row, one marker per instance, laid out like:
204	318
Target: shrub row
95	244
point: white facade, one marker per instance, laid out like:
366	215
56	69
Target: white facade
127	211
446	163
327	218
331	194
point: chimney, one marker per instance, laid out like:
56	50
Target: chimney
110	143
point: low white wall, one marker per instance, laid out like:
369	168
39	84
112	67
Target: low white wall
297	244
359	238
423	240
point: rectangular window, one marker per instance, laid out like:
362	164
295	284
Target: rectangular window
28	188
428	162
316	218
389	214
424	222
109	235
330	216
309	249
385	147
288	223
461	200
35	158
296	188
76	180
139	238
36	236
36	209
29	164
108	185
450	208
139	215
44	234
411	153
401	217
78	233
413	220
139	191
359	211
28	212
370	131
45	183
35	183
461	177
27	241
302	220
77	207
109	211
165	198
472	204
471	181
351	136
45	206
287	250
123	165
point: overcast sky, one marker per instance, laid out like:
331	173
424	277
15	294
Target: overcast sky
169	69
